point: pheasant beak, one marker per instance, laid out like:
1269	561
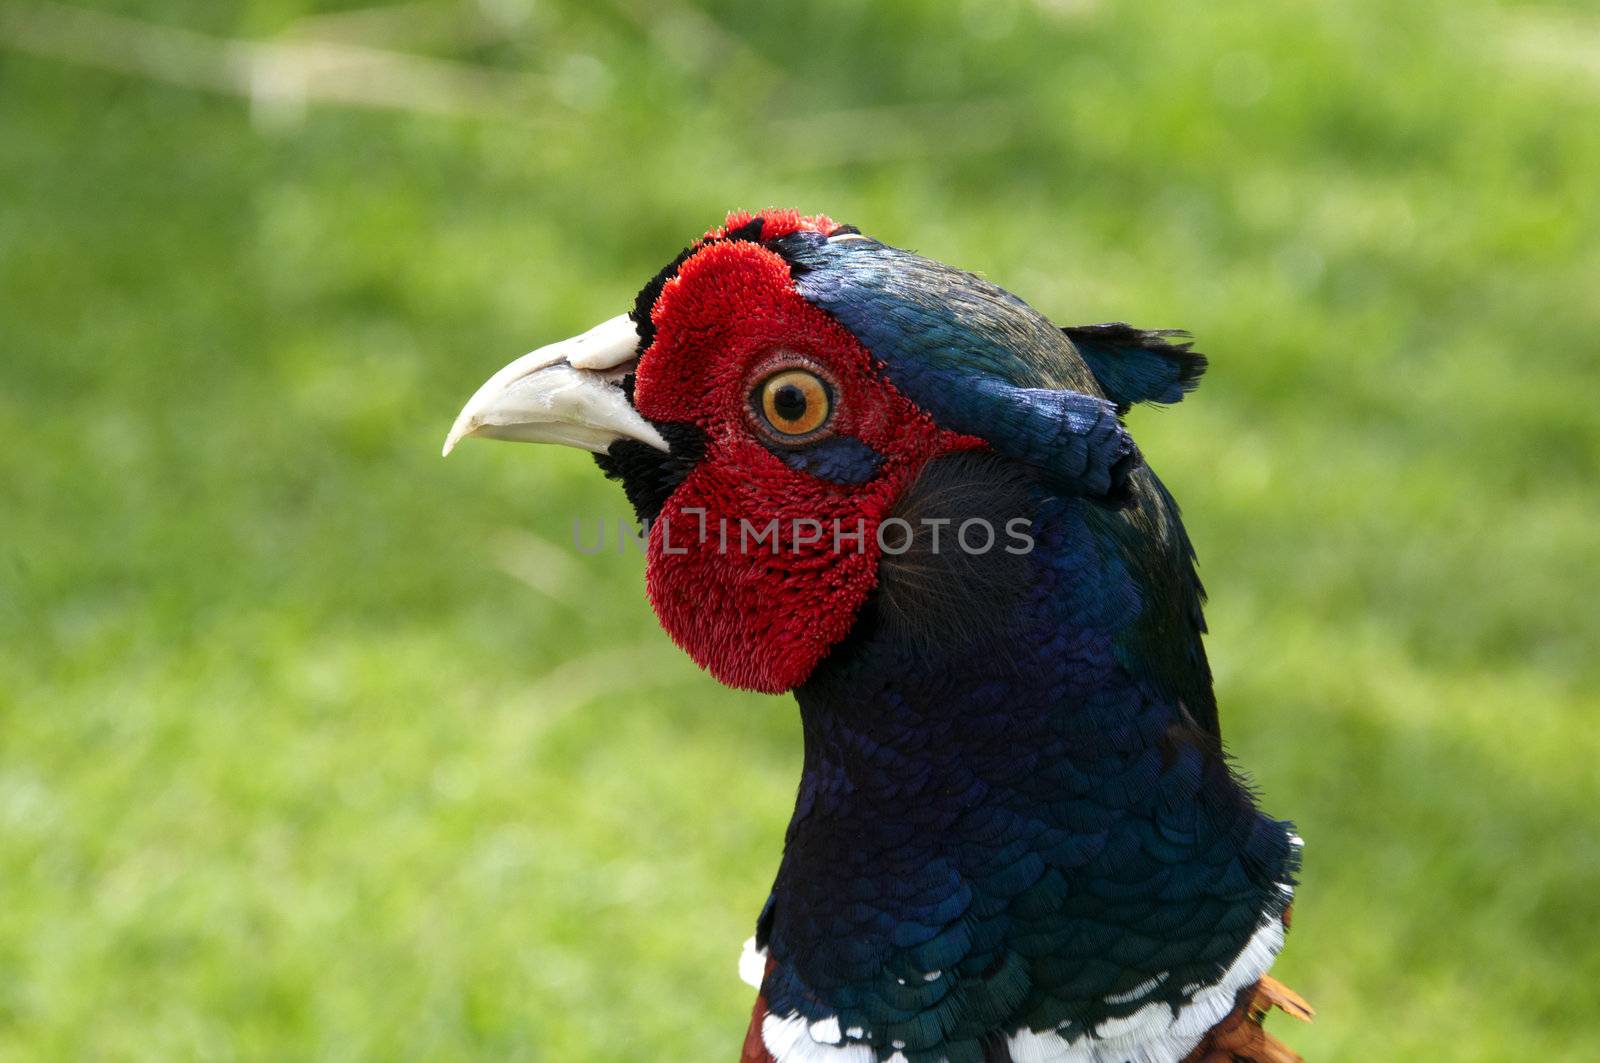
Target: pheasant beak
568	392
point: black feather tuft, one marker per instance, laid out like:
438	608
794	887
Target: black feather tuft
645	301
947	598
649	477
750	230
1138	365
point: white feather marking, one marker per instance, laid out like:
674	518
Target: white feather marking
826	1031
1153	1033
1142	989
1156	1015
752	964
789	1040
1026	1046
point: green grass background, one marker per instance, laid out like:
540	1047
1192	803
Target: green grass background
315	746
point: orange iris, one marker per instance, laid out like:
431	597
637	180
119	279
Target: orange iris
795	402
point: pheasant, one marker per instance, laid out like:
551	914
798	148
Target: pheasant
899	492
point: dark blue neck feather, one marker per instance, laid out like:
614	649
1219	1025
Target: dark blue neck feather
1009	821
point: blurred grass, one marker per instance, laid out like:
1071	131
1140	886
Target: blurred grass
295	766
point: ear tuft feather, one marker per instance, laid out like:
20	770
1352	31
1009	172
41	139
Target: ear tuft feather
1076	440
1138	365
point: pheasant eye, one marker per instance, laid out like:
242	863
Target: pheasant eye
794	402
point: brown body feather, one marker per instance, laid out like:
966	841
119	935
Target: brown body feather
1240	1038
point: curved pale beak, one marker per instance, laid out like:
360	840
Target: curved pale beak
569	392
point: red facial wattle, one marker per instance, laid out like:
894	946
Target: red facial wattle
756	618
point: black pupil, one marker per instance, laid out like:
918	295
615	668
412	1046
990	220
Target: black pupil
789	402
